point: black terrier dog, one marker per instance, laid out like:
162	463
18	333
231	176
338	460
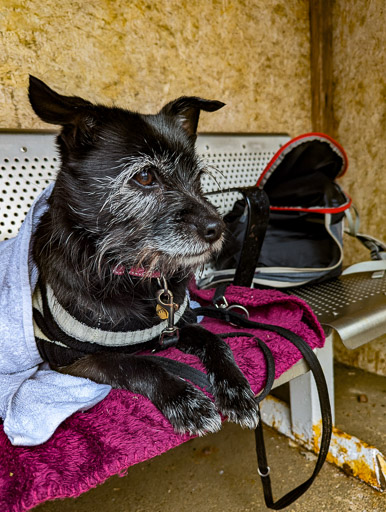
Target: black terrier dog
127	225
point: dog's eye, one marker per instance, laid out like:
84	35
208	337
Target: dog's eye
145	177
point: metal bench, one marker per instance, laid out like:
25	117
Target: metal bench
351	308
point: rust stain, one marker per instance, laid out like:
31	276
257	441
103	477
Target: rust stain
360	444
382	470
353	462
300	437
317	430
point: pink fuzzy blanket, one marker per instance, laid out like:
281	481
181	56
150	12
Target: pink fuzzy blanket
125	428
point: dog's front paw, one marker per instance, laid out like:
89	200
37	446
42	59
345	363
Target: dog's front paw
236	401
192	412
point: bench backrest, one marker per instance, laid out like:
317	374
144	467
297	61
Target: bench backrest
29	162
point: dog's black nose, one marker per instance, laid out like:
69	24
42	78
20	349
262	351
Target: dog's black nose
210	228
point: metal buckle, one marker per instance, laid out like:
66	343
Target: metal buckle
238	306
221	303
164	297
169	337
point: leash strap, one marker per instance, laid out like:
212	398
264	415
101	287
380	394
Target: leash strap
268	359
183	370
314	365
201	380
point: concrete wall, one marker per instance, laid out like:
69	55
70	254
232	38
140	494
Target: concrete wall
251	54
359	64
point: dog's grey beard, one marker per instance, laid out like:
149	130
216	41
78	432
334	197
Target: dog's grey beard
174	261
166	258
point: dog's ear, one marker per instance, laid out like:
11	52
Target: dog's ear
186	110
75	114
52	107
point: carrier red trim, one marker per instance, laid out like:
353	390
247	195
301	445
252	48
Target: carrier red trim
300	137
338	209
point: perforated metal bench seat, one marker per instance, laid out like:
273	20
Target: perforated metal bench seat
352	307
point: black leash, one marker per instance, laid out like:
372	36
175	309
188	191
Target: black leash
268	359
200	379
183	370
314	365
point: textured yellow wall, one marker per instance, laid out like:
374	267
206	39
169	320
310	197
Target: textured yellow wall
359	65
251	54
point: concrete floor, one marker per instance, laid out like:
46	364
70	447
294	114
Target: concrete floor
360	403
218	472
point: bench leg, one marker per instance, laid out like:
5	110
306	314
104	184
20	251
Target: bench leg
304	401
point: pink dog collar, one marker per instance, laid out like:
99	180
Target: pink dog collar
119	270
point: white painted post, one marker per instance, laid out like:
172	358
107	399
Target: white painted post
304	401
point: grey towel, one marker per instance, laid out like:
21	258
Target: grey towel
34	400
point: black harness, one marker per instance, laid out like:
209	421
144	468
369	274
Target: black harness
54	342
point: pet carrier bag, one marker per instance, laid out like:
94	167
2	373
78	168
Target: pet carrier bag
304	238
